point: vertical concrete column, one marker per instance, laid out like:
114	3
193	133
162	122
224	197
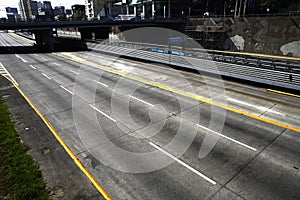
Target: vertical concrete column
44	39
134	10
102	33
48	40
143	14
85	34
169	9
38	39
153	9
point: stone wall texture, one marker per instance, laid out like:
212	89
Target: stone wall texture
266	35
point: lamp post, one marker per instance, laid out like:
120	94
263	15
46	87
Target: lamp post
224	12
245	5
169	9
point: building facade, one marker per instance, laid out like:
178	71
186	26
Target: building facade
59	13
31	10
89	9
34	9
159	8
78	12
97	8
47	8
25	10
12	14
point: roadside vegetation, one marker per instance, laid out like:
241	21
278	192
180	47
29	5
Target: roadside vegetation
20	177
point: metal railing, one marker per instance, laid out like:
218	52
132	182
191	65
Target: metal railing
273	70
286	14
277	63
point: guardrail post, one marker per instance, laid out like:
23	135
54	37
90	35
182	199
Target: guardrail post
291	77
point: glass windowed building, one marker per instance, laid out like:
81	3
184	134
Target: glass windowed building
159	8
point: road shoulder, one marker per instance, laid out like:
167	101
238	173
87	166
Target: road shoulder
62	176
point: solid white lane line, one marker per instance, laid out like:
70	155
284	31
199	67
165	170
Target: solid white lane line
109	117
57	64
149	104
228	138
183	164
8	74
46	76
66	89
261	108
32	66
23	60
100	83
73	71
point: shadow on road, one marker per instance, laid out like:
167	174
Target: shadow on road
60	45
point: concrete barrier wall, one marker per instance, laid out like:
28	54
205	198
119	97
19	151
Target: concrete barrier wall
267	35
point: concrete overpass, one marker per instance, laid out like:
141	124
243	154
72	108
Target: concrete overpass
100	29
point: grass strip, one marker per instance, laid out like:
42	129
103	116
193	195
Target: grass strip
18	171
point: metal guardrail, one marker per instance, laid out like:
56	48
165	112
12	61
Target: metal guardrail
273	70
286	14
276	63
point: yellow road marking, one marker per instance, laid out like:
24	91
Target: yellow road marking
283	93
182	93
254	54
264	100
65	146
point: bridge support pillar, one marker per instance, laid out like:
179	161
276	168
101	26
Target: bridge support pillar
94	33
44	39
102	33
86	34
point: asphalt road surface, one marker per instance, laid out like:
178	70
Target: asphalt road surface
147	131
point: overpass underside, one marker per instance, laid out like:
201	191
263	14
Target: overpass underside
44	37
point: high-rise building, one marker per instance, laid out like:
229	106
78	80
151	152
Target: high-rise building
25	10
28	9
59	10
47	8
78	12
159	8
89	9
94	7
11	10
12	14
34	8
59	13
40	6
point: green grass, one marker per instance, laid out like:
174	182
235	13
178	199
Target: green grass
23	177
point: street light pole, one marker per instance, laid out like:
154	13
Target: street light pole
245	5
224	13
169	9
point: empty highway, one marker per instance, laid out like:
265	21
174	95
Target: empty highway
148	131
